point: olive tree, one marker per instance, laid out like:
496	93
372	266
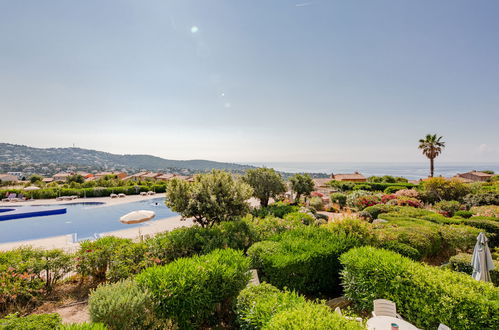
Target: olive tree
212	198
302	184
266	183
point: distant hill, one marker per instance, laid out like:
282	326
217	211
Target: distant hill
13	153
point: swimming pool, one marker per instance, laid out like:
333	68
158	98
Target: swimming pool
85	220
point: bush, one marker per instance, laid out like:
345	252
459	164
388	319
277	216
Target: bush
463	214
490	226
486	211
317	203
196	240
393	189
462	263
487	198
31	322
278	209
256	304
304	218
359	230
364	187
375	210
83	326
121	305
425	296
300	259
412	193
265	228
448	208
401	248
441	189
188	290
311	316
110	258
339	198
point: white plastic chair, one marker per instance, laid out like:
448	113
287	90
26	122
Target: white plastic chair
383	307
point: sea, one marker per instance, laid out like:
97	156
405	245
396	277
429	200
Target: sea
411	171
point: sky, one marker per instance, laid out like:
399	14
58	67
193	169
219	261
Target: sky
253	81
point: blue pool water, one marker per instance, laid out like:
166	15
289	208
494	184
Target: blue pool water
83	219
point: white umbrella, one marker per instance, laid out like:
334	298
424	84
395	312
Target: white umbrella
31	188
137	216
482	261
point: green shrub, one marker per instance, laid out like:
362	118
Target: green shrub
339	198
393	189
121	305
463	214
195	240
490	226
265	228
364	187
357	229
110	258
401	248
311	316
300	258
425	296
317	203
296	217
256	304
375	210
487	198
188	290
448	208
83	326
462	263
278	209
31	322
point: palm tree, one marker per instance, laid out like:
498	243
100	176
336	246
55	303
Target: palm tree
432	147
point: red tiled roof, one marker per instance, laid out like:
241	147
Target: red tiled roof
353	176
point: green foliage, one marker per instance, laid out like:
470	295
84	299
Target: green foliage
189	289
35	178
441	189
31	322
365	187
448	208
425	296
375	210
76	178
386	179
302	184
212	198
305	218
463	214
361	231
121	305
401	248
311	316
479	199
341	185
196	240
393	189
265	228
83	326
300	258
110	258
490	226
257	304
462	263
317	203
278	209
339	198
266	183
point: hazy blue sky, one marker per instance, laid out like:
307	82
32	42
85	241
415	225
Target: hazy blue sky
252	80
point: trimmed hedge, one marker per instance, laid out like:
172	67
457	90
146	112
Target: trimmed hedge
304	259
462	263
196	240
266	307
188	290
425	296
31	322
256	304
311	316
490	226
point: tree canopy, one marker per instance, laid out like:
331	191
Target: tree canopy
266	183
212	198
302	184
431	147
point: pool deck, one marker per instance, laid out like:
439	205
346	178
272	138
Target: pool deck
65	242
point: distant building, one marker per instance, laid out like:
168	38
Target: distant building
120	175
165	177
354	177
475	176
8	178
19	175
62	176
151	175
85	174
48	180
